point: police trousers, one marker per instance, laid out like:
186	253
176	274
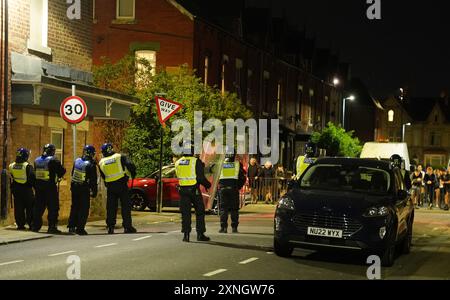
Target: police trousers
118	191
46	198
23	204
81	201
229	205
190	196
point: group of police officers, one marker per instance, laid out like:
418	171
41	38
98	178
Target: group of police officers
44	178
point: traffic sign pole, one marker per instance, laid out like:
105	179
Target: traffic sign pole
74	132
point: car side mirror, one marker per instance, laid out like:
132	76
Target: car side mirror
402	195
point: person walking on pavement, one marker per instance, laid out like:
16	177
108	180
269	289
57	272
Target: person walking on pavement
22	182
115	169
191	173
49	171
83	186
231	180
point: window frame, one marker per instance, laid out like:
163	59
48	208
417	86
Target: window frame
59	151
118	17
38	38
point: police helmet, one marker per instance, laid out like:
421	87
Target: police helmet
89	150
396	160
107	149
310	149
49	150
22	154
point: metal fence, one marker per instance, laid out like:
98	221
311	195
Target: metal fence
266	190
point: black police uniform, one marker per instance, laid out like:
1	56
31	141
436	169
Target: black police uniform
118	190
229	200
47	195
23	197
81	188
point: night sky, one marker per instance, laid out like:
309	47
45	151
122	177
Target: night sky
408	47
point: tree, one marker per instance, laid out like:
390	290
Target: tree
337	141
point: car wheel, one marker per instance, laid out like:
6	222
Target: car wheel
407	241
282	249
138	201
388	255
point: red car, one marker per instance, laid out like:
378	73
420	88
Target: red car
143	190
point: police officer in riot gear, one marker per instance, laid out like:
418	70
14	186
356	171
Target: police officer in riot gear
49	171
231	180
22	182
84	182
190	172
305	160
398	162
115	169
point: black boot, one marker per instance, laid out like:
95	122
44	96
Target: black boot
234	230
223	230
81	232
202	238
111	230
130	229
53	230
72	230
186	237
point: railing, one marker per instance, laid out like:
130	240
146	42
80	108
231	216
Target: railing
266	190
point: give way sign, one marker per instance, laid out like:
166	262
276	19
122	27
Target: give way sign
166	108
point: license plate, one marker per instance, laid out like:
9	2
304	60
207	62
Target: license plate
326	232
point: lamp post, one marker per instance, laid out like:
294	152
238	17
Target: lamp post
351	98
403	130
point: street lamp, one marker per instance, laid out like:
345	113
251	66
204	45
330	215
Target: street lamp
336	81
351	98
403	130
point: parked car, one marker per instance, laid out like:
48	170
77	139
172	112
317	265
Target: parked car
346	203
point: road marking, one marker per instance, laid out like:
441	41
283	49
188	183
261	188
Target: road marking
62	253
175	231
248	260
269	252
214	272
142	238
106	245
11	262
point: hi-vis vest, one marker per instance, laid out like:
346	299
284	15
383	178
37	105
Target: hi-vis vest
185	169
112	167
230	170
79	170
41	166
302	164
18	172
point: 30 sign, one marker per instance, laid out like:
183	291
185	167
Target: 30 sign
73	109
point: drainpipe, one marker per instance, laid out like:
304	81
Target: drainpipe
4	179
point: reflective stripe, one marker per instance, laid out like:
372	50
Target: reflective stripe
18	172
230	170
79	170
112	168
185	169
41	166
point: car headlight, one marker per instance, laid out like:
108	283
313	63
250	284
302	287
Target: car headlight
286	203
377	212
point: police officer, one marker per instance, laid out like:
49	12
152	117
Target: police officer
190	172
231	180
49	171
397	162
22	182
84	182
115	169
305	160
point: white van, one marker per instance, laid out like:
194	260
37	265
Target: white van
385	151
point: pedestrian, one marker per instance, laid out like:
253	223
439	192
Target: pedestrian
422	188
303	161
447	189
268	181
22	182
190	172
417	179
115	169
442	180
49	171
430	181
252	173
231	180
83	186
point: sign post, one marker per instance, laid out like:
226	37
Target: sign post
166	109
73	110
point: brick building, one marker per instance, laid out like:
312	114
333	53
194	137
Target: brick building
49	53
237	48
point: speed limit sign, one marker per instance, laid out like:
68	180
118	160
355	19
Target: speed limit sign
73	109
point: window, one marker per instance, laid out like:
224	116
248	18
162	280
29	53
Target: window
237	82
394	135
391	115
435	160
150	57
39	26
57	139
435	139
279	99
206	70
125	9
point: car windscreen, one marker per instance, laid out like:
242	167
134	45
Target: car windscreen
346	178
167	172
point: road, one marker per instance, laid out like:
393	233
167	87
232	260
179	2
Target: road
156	252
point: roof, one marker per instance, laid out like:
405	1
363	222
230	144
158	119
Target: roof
420	108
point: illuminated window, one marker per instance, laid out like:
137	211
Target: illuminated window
206	70
57	139
125	9
39	26
142	66
391	116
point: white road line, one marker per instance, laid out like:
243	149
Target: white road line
106	245
11	262
142	238
62	253
248	260
214	272
269	252
175	231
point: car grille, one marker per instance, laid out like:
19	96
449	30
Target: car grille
348	225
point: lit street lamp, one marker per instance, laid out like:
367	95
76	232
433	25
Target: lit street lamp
403	130
351	98
336	81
